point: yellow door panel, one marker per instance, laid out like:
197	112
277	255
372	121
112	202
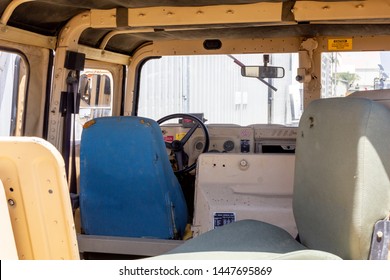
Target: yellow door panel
34	179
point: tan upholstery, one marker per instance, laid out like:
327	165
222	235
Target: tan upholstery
33	175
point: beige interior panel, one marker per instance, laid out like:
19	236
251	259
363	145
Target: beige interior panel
244	186
173	16
33	174
7	241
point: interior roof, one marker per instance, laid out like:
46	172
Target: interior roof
56	13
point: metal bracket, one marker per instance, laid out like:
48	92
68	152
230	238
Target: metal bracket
306	60
125	245
380	241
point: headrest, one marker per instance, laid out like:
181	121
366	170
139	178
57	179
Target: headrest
381	96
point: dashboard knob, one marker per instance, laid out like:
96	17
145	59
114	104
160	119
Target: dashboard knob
244	164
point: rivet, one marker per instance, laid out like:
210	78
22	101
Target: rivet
11	202
326	8
199	12
360	6
230	12
379	236
141	15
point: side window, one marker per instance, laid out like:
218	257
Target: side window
96	90
13	84
343	73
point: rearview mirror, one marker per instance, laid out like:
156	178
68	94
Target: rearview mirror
262	71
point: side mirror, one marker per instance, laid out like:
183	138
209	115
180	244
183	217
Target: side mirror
262	72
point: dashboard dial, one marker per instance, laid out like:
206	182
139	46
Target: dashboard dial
228	145
199	146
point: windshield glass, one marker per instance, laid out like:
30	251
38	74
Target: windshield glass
213	85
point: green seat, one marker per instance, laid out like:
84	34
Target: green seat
341	189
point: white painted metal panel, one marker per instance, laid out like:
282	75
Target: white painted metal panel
245	186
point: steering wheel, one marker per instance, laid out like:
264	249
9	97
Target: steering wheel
177	146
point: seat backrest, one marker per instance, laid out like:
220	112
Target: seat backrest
380	95
127	185
342	169
32	172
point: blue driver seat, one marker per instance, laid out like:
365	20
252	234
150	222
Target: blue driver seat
127	185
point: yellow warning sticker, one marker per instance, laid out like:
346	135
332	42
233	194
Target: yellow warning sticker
180	136
340	44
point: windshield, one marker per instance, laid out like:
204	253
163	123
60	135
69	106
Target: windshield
213	85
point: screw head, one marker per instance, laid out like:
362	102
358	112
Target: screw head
379	235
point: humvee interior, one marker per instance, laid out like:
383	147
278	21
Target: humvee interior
197	129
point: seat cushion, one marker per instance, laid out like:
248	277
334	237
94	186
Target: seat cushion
243	236
296	255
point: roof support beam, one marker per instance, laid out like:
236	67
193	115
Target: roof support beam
341	10
15	35
10	9
205	15
68	41
191	18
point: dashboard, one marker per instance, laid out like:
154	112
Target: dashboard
235	139
247	173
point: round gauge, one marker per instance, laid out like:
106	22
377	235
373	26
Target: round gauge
199	146
228	145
